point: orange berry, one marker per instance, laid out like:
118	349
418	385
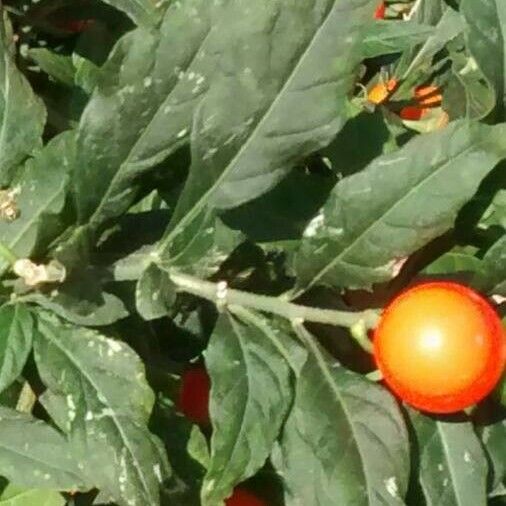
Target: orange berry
440	346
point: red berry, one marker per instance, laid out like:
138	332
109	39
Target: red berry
193	399
242	497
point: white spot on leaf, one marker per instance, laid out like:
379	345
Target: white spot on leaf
391	486
314	225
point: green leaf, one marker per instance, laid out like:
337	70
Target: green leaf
155	293
250	396
265	112
16	496
39	195
16	333
362	139
430	11
177	432
492	277
140	111
494	439
344	441
104	309
386	37
283	213
132	266
448	24
485	21
22	114
56	407
468	94
210	244
457	261
496	212
141	12
86	73
108	405
197	447
453	468
501	388
33	454
82	299
58	66
399	203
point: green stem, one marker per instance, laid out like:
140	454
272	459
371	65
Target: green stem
7	254
221	295
374	375
359	333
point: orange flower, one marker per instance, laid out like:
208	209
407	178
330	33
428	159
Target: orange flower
426	98
428	95
380	11
412	112
381	91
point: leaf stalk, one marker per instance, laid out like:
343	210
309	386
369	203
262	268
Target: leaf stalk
221	295
7	254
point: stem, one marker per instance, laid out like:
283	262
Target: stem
359	333
413	10
7	254
374	375
221	295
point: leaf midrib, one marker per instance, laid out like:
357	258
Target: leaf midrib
328	376
44	463
6	92
83	371
11	337
238	334
346	250
143	9
119	173
200	204
60	191
446	452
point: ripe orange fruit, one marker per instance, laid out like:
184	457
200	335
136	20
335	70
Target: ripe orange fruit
440	346
193	399
242	497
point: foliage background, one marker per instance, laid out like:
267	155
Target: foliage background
155	149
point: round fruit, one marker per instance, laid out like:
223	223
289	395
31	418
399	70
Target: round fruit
440	346
193	399
242	497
